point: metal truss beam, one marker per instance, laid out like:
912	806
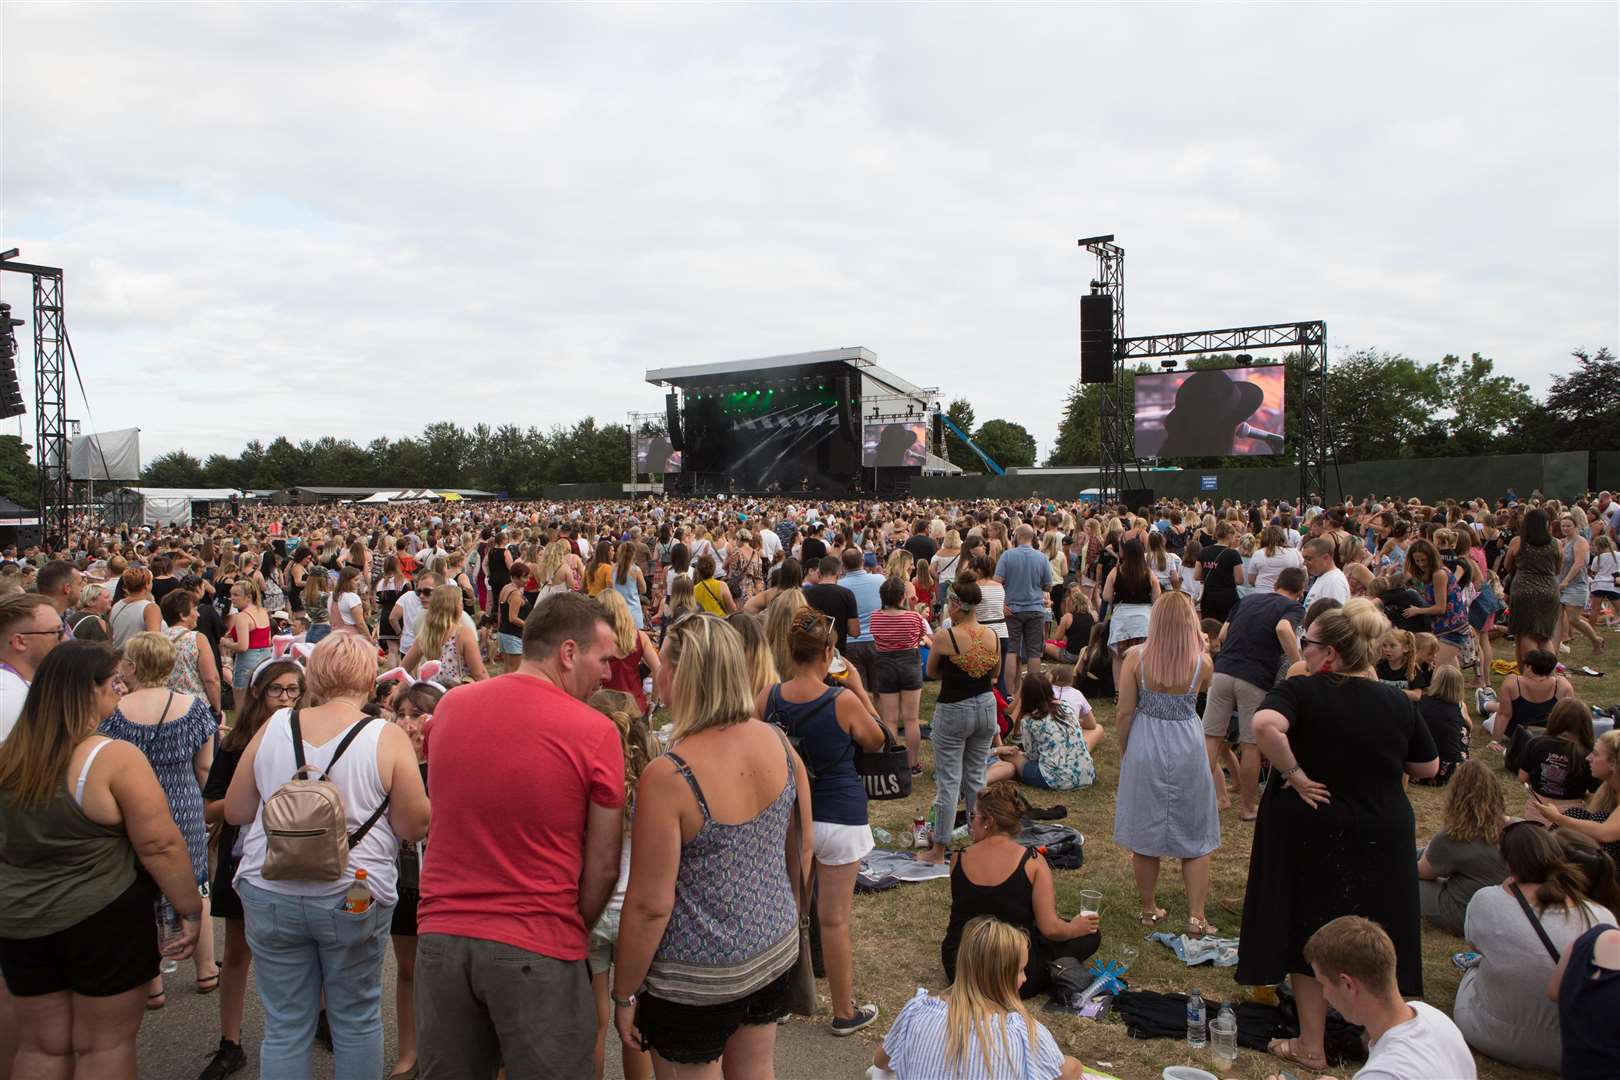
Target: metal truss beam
1236	339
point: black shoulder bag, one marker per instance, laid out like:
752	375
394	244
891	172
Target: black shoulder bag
1529	913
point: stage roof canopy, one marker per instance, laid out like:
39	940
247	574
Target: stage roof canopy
877	382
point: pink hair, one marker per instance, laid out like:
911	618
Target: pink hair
1175	642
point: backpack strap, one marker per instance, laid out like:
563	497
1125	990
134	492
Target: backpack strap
298	743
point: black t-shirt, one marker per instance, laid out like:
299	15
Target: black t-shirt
1389	673
1220	587
1421	677
1079	635
1445	722
1252	652
1557	769
837	601
812	551
922	547
1395	603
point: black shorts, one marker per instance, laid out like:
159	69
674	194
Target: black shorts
111	952
898	670
697	1034
404	920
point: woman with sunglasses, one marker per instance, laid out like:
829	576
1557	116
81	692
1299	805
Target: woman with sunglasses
1334	835
1502	1007
277	684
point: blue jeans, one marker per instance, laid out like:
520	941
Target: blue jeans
317	632
301	946
962	734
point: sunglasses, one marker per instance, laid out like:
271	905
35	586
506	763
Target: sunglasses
1318	644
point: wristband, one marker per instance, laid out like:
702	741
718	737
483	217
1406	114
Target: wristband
623	1003
1286	773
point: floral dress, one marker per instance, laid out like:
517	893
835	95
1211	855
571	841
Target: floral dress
171	747
1058	748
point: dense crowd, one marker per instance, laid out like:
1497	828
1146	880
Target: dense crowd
651	730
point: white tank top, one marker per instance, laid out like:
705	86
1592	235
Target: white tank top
358	783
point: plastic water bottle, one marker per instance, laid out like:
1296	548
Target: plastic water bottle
881	835
1223	1037
357	901
1197	1038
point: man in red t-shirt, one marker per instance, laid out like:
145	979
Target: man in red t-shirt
527	788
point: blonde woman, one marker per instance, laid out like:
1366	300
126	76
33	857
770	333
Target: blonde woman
631	649
728	802
1597	819
1166	803
553	574
979	1029
1462	858
778	622
446	637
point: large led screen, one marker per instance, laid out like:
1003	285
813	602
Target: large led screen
1210	413
893	445
655	455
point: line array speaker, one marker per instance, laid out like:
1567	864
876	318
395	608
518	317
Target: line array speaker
1097	338
672	416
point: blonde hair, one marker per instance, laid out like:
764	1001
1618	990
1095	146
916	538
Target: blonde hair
317	588
683	597
1446	684
440	622
1606	799
249	586
340	664
712	677
634	736
1175	641
1353	631
624	623
151	658
1475	809
899	565
1425	645
779	626
1408	643
985	993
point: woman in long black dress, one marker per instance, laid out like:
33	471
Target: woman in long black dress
1334	836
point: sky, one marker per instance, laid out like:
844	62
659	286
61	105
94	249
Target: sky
358	219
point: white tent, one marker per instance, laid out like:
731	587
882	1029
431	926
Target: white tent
164	506
382	497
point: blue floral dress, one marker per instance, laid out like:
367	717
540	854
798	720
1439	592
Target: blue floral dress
1059	750
171	747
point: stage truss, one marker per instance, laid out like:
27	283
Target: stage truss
1313	447
50	397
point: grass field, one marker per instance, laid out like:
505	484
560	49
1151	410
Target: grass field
897	933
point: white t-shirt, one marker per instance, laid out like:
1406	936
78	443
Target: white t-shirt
349	608
1079	707
13	690
409	605
1332	584
770	545
1267	567
1429	1044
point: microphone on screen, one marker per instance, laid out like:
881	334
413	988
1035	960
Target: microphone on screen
1244	431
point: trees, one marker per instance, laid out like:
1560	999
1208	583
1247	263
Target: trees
1379	403
176	469
19	480
1077	438
961	413
1006	442
1586	402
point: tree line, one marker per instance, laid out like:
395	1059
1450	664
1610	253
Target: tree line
1381	406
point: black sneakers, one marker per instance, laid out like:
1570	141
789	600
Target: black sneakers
850	1025
227	1060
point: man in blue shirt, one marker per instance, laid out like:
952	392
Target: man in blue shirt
1026	575
860	649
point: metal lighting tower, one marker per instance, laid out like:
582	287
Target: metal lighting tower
50	396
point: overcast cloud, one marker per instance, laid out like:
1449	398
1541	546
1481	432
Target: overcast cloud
355	220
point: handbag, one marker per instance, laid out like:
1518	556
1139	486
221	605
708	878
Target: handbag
886	772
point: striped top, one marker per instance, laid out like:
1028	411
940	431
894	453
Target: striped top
734	924
916	1047
894	630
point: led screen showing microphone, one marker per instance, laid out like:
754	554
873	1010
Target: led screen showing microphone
1212	412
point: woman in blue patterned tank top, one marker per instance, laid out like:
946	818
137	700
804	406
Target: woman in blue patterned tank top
720	843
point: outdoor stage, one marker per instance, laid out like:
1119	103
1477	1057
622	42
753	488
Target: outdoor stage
830	423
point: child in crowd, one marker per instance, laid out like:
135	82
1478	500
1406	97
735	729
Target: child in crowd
1553	764
1442	708
1604	569
639	750
1397	659
1425	647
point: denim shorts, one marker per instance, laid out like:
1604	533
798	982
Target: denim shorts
1031	776
511	644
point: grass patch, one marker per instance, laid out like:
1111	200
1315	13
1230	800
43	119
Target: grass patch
897	933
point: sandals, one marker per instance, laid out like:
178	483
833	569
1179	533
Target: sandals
161	998
207	984
1151	918
1201	928
1284	1048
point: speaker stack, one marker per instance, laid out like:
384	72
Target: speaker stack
1097	338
